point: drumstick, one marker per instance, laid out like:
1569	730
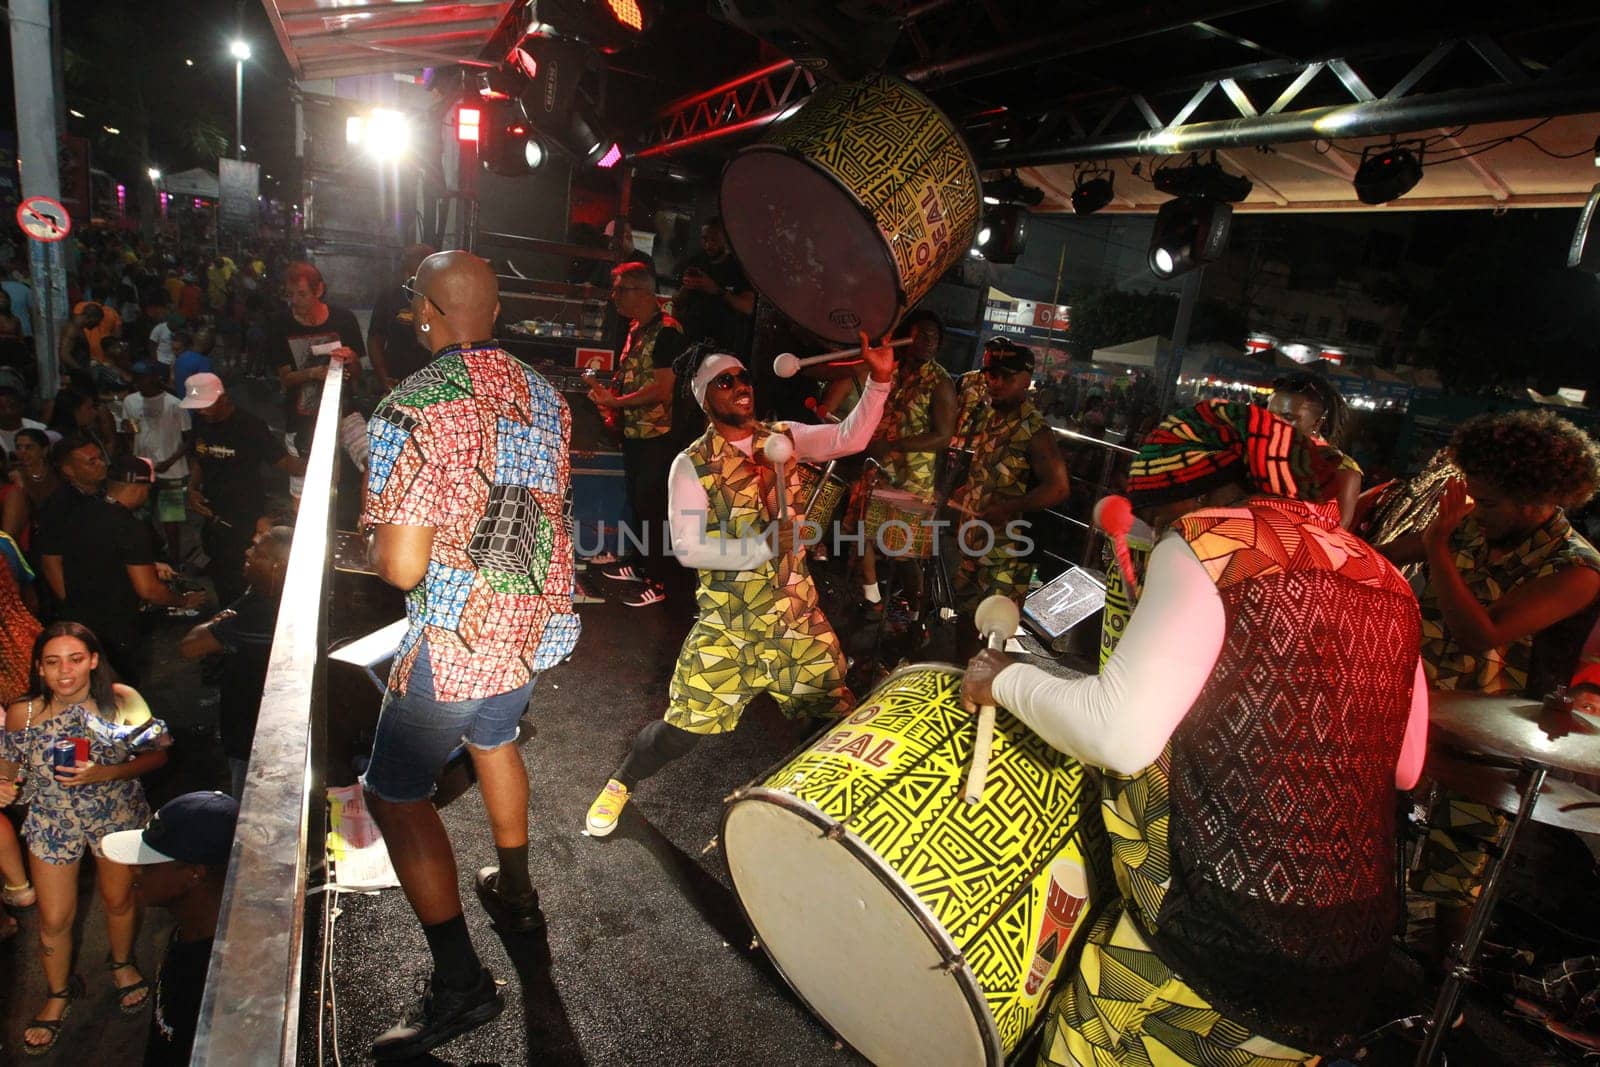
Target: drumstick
787	364
996	619
780	450
815	408
1114	515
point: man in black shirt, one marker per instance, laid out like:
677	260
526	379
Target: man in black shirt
302	341
99	559
227	485
180	863
242	634
715	300
391	340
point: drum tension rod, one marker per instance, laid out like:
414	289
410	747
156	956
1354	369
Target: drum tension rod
834	832
953	964
711	846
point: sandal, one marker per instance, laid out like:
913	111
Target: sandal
20	897
141	987
73	991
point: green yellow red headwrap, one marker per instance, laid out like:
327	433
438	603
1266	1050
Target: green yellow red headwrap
1216	443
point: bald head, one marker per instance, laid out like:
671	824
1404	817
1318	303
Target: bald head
412	258
460	299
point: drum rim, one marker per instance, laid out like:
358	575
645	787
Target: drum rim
937	935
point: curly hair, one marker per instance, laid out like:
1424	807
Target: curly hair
1536	456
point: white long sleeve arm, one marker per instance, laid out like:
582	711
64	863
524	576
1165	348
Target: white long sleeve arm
818	444
1123	717
687	505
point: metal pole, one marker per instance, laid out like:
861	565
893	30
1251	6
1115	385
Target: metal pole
38	138
238	109
1180	337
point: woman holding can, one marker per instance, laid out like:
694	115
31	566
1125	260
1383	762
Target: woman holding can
82	742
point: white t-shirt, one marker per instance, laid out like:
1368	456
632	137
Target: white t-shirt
8	438
160	424
162	336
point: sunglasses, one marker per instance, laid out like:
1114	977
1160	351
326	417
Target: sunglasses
729	379
410	288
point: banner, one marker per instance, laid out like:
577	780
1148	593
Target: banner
240	183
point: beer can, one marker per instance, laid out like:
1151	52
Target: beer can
64	753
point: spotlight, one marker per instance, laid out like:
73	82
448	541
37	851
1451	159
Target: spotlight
557	102
1190	232
609	26
1090	194
1206	180
1004	233
1584	254
513	151
1388	173
387	134
1010	189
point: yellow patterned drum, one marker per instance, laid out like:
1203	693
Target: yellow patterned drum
821	492
921	929
850	211
898	523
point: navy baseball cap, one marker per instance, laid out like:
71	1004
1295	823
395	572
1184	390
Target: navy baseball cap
194	828
145	366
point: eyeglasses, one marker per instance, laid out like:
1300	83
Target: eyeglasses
411	290
729	379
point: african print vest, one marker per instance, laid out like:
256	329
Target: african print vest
972	402
1258	851
741	500
638	370
1001	464
909	413
1534	664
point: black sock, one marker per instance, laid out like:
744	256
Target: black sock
455	961
514	881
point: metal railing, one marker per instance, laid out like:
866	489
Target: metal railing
251	1009
1075	538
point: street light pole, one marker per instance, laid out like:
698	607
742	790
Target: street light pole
240	52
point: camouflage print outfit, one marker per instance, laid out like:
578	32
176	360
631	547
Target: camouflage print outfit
1461	831
909	413
759	631
638	370
972	403
1002	469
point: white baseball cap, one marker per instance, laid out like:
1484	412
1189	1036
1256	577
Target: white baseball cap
710	367
201	391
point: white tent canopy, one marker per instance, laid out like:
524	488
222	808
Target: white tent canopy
1145	352
196	182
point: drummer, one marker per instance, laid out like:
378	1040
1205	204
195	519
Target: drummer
1511	595
1016	468
761	627
918	421
1254	722
972	395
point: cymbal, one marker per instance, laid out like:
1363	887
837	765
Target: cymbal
1517	726
1561	803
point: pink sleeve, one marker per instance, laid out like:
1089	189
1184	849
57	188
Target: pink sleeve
1414	749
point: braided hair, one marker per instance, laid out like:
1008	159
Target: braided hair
1320	391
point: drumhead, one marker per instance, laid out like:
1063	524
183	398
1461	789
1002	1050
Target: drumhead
851	939
808	245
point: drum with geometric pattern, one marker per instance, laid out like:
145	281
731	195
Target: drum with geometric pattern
849	211
921	929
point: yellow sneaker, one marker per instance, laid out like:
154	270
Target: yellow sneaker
607	808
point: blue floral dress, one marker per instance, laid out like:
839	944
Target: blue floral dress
63	819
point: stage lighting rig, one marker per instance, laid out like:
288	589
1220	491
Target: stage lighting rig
561	99
1208	180
1584	254
1003	234
1388	173
1190	231
609	25
1010	189
1092	190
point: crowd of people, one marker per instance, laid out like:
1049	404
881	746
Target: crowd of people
1258	526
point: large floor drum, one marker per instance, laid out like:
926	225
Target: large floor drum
848	212
921	929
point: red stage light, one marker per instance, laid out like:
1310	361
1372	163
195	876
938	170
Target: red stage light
612	157
467	122
627	12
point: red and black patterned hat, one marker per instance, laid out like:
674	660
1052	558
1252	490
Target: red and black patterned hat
1216	443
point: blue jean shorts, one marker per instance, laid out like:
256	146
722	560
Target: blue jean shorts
416	734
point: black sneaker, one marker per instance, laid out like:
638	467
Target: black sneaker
440	1015
521	914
